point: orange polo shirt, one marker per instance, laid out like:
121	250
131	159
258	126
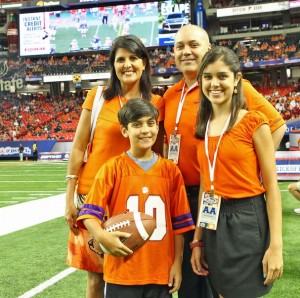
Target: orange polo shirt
108	140
188	163
237	170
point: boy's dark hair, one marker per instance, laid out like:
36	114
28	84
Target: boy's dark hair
135	109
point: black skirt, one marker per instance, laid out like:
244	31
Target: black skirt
234	252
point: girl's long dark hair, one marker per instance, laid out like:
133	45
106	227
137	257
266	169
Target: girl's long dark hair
133	44
205	109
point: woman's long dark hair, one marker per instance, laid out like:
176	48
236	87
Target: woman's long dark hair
133	44
205	109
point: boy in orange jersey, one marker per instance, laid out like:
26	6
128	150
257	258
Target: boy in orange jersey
140	180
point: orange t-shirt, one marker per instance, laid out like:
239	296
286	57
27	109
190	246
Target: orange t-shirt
237	171
188	156
108	140
122	185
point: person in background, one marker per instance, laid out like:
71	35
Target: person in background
242	238
21	152
34	152
139	180
130	78
294	189
181	105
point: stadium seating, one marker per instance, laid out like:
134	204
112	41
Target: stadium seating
57	118
39	118
264	48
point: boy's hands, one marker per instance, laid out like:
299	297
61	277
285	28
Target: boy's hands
112	243
175	277
109	240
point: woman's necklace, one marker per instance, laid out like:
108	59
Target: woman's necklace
121	102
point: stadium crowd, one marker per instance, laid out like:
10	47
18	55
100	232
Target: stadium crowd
260	49
40	117
50	117
286	99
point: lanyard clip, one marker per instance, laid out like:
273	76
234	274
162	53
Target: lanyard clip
212	191
175	130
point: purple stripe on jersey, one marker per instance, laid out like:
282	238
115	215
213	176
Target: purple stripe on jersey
93	207
98	215
183	225
182	221
181	218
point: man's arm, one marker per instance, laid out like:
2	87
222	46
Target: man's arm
277	135
256	102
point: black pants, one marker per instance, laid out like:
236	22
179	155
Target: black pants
144	291
35	155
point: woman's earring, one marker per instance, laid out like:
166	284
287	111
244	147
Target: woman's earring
235	91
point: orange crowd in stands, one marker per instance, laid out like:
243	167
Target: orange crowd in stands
39	117
96	63
271	48
285	99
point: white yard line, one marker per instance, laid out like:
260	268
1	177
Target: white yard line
48	283
26	191
26	181
17	217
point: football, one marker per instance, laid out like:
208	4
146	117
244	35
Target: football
138	224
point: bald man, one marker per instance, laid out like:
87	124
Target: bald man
181	106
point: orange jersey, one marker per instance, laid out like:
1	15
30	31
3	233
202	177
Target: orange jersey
237	171
108	140
122	185
188	155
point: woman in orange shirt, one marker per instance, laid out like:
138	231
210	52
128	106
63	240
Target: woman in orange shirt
130	78
243	249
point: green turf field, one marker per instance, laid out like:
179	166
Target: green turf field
25	181
31	256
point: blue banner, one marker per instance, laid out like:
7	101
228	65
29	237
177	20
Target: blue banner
292	125
11	149
288	165
264	63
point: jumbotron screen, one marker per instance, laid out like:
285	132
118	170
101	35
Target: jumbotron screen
90	29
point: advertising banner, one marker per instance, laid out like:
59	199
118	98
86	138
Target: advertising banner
54	156
252	9
288	165
11	149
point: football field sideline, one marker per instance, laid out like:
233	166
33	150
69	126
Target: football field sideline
20	216
61	280
24	215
